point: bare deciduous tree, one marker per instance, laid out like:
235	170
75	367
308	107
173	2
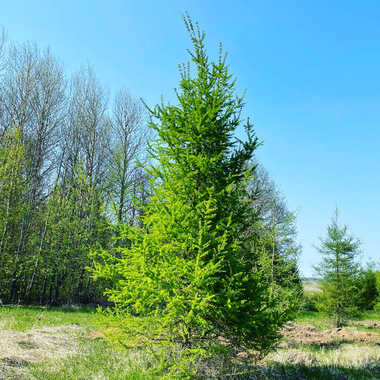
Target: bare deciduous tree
48	105
87	135
130	134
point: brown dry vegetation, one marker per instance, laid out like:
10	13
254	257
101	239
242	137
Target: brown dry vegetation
355	348
311	287
310	334
18	349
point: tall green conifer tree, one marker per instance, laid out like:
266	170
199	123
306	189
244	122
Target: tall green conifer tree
340	271
186	273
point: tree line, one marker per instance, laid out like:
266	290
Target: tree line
69	166
72	178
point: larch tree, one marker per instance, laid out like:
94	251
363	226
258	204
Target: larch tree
187	280
340	271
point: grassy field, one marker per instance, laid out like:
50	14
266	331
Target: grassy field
64	343
311	287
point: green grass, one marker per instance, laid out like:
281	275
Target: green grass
34	335
322	321
290	371
371	315
97	360
21	318
57	343
319	320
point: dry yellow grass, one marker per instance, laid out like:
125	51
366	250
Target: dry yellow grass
346	355
311	287
35	346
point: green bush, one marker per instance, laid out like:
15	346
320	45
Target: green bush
368	288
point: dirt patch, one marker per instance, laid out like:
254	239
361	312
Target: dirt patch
309	334
102	333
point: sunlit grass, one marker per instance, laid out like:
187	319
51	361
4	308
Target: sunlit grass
58	343
313	361
21	318
97	360
319	320
371	315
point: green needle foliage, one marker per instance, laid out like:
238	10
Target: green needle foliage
186	286
340	272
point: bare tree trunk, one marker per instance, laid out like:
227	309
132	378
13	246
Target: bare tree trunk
31	282
130	140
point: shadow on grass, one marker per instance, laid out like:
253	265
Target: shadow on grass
62	309
333	345
297	372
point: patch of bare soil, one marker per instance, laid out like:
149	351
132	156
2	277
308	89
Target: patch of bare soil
17	349
308	334
101	333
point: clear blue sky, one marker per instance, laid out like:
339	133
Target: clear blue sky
311	70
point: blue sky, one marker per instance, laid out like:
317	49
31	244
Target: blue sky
311	70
